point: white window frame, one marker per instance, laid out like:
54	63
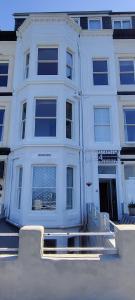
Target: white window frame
19	188
27	66
128	72
23	121
5	74
45	98
71	121
121	22
44	166
95	19
70	187
107	72
67	65
103	125
127	108
2	125
48	61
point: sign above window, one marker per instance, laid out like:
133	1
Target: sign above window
105	156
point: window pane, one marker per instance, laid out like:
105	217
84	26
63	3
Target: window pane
130	133
102	116
126	24
43	198
100	79
48	68
69	198
1	132
27	58
68	72
24	111
127	78
68	130
44	188
69	59
2	111
3	80
45	108
48	53
126	66
23	130
129	116
69	110
129	171
69	177
99	66
44	177
117	24
102	133
45	127
3	68
106	170
94	24
20	178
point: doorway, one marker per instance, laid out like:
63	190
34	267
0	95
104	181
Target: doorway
108	197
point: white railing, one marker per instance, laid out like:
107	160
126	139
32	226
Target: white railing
8	249
86	248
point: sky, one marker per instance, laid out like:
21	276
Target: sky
8	7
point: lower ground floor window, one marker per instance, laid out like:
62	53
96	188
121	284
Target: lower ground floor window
44	188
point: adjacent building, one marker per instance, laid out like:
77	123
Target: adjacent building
67	117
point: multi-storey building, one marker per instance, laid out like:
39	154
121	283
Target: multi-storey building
67	109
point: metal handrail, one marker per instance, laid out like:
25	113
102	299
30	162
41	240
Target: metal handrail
9	234
79	234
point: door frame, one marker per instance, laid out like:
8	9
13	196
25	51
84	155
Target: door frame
110	176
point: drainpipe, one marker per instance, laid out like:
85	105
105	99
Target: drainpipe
81	142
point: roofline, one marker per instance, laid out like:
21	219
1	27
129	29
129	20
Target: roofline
108	12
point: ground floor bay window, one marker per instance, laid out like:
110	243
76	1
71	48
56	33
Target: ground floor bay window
44	188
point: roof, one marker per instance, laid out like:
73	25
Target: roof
102	12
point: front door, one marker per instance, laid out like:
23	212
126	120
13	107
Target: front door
108	197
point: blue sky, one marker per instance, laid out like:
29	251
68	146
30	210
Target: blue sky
8	7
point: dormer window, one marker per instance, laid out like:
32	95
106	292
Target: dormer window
122	24
94	24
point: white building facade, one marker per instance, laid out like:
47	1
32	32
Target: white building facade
71	126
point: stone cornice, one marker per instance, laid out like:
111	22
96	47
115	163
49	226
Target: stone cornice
49	18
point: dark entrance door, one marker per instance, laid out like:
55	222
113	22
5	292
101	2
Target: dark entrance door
108	197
